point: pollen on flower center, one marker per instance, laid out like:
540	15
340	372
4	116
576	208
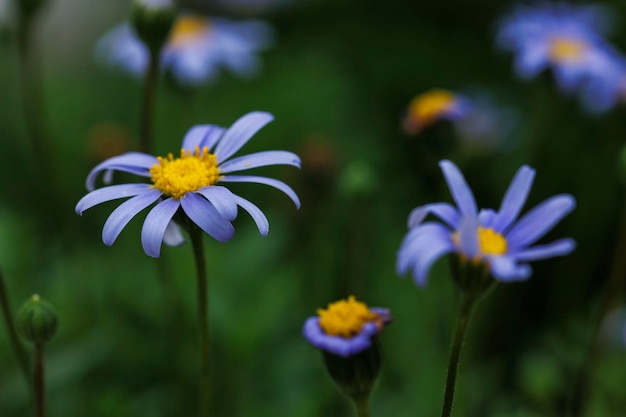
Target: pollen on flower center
345	318
190	172
491	242
564	50
430	105
187	28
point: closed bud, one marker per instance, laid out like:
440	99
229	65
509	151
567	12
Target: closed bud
36	320
153	20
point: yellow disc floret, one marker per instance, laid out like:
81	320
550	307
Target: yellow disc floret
179	176
345	318
566	50
429	106
491	242
187	28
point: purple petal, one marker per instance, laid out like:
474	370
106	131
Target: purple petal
505	269
444	211
461	193
267	181
239	133
155	225
120	217
260	159
338	345
256	214
514	199
558	248
173	235
486	218
112	192
202	213
222	199
540	220
201	136
133	162
468	239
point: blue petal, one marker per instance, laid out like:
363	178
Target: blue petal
539	221
155	225
202	213
421	247
558	248
461	193
435	250
505	269
338	345
201	136
134	162
514	199
222	199
120	217
112	192
444	211
267	181
256	214
239	133
468	239
486	218
260	159
173	235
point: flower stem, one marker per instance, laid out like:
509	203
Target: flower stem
18	348
467	303
203	319
39	381
149	101
362	406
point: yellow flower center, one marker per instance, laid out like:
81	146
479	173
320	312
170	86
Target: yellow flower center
345	318
566	50
179	176
491	242
428	106
187	28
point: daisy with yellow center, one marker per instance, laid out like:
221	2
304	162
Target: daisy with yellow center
189	184
567	50
188	29
431	106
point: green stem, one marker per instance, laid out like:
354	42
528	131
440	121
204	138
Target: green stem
467	304
362	406
149	101
18	348
39	381
203	319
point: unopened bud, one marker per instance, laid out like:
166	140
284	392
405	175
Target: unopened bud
153	20
36	320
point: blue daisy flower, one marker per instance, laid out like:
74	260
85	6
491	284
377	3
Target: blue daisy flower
189	183
197	48
569	40
431	106
500	240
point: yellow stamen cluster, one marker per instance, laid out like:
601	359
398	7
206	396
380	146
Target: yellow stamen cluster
427	107
186	28
566	50
345	318
490	242
190	172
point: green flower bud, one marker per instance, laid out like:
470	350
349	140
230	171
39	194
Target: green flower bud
153	20
472	277
36	320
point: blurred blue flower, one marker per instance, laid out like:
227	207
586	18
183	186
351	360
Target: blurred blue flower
496	239
346	327
189	182
195	51
431	106
568	39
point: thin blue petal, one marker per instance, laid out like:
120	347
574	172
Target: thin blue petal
505	269
260	159
468	239
461	193
156	223
416	241
486	218
112	192
133	162
338	345
514	199
435	250
173	235
120	217
558	248
444	211
267	181
256	214
203	214
540	220
239	133
201	136
222	199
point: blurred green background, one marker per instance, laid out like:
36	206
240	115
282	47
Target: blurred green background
338	81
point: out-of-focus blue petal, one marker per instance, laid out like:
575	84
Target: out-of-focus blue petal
505	269
203	214
444	211
468	239
267	181
558	248
239	133
133	162
338	345
486	218
120	217
256	214
435	250
260	159
514	199
173	235
120	48
539	221
416	241
461	193
113	192
222	199
156	223
201	136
